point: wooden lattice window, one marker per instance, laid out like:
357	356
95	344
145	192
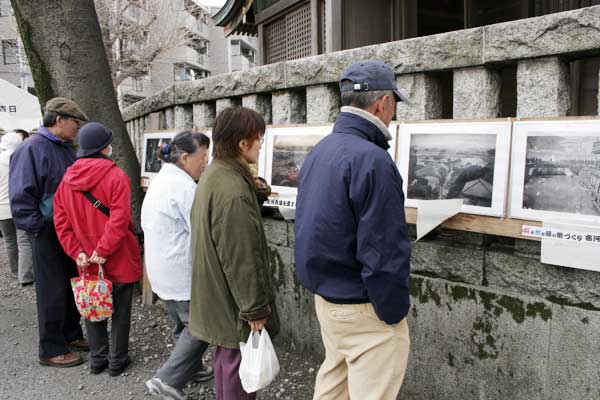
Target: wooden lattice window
275	41
289	37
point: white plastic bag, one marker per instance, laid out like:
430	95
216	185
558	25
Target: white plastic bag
259	364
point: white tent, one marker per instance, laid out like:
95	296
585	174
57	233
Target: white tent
18	108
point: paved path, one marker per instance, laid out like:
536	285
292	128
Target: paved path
23	379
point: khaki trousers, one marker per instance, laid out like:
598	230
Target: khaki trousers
365	358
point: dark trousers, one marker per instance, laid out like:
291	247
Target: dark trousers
58	318
116	353
186	358
227	375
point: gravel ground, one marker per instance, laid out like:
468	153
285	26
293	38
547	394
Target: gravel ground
151	343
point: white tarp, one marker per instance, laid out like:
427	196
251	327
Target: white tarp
18	108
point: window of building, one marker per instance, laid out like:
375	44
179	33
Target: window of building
289	37
10	52
138	84
187	72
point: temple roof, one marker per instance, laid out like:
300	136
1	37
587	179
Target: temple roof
237	17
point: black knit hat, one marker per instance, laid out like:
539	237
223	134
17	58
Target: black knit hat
93	137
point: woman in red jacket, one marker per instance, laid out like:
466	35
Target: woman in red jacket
91	237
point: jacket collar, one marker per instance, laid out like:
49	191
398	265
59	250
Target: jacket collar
240	167
172	169
361	123
43	131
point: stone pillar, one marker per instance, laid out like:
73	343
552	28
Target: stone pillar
147	122
289	107
204	115
424	94
543	88
184	117
322	103
170	117
476	93
261	103
162	120
224	103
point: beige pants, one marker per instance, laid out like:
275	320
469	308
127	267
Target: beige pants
365	358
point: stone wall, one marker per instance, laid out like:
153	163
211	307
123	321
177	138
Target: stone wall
488	321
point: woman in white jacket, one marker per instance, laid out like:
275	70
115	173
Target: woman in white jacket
16	241
167	248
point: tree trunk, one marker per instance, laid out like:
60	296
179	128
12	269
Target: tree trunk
63	42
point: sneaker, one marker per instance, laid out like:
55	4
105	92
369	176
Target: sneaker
157	387
203	375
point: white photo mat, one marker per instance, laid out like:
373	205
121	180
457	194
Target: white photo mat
152	136
317	132
502	131
569	131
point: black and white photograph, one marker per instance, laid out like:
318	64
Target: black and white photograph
558	172
452	167
467	161
289	152
287	148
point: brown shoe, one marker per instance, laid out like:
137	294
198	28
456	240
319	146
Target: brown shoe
62	361
80	345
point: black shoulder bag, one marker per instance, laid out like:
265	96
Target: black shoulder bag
106	211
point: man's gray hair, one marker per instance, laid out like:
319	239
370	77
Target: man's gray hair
364	99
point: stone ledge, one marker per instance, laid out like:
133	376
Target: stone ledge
456	264
567	32
528	276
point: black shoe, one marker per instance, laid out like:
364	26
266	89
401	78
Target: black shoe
97	370
118	371
24	284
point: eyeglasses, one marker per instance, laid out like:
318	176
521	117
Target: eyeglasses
77	121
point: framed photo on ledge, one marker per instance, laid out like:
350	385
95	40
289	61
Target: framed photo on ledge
456	160
286	150
556	170
151	164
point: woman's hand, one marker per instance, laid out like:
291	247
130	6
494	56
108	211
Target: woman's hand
82	259
96	259
257	325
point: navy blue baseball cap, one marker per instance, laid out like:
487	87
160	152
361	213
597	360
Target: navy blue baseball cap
93	137
365	76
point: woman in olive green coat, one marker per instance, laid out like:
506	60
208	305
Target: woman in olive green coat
232	282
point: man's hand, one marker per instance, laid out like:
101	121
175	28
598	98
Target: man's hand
82	260
257	325
96	259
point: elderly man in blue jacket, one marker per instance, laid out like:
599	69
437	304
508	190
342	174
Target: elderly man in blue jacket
36	169
352	246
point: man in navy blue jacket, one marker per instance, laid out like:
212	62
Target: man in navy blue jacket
36	169
352	246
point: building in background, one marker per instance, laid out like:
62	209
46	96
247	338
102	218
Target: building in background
13	61
198	50
150	45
